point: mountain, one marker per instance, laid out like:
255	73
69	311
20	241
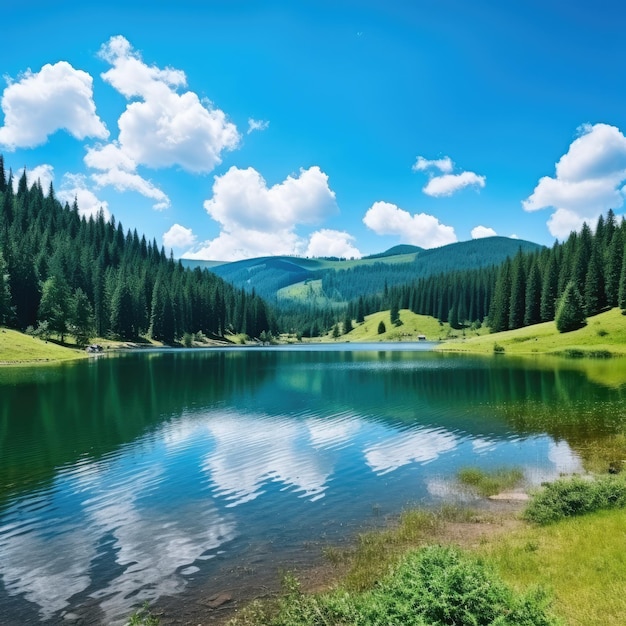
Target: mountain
340	280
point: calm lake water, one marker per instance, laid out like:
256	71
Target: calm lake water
176	475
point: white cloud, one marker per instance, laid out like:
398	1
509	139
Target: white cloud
248	244
179	237
118	171
241	198
74	186
38	104
335	243
588	180
419	229
448	184
164	128
480	232
421	447
258	220
444	165
257	125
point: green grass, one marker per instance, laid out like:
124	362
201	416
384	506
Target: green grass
412	326
582	561
490	483
604	333
19	349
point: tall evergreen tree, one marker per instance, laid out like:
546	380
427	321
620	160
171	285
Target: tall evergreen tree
532	312
5	290
500	306
570	313
517	305
594	298
549	290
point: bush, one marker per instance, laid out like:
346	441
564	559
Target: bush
434	586
570	497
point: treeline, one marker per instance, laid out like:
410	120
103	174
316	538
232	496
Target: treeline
63	273
586	273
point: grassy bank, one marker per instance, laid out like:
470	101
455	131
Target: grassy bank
456	566
604	335
19	349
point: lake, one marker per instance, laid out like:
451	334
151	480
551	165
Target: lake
171	476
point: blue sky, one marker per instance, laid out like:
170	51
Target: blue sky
235	129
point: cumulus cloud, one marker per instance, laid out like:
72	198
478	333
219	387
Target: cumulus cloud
179	237
118	171
74	186
164	128
588	180
334	243
258	220
247	244
446	183
241	198
480	232
444	165
257	125
418	229
55	98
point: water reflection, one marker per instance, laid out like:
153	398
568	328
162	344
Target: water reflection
122	479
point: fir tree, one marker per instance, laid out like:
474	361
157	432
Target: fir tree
570	314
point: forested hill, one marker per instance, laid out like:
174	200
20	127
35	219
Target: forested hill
343	280
579	277
64	274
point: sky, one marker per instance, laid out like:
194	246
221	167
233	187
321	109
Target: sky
237	129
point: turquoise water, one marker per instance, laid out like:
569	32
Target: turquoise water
169	476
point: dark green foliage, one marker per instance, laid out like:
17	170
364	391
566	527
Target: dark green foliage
55	305
435	586
5	287
51	253
569	497
594	295
394	313
570	314
381	327
532	312
347	325
81	318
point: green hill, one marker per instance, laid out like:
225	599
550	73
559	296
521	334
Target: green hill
287	278
603	335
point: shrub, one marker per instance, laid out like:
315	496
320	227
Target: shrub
569	497
498	349
435	586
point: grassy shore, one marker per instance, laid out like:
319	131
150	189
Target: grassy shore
569	572
19	349
604	335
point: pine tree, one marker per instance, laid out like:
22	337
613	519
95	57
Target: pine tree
5	290
500	305
549	290
54	307
517	305
81	317
594	297
381	328
532	313
347	324
570	313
